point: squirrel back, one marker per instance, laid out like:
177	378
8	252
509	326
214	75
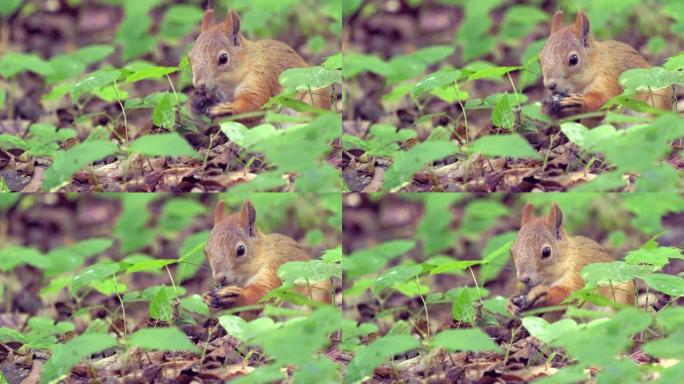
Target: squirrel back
575	64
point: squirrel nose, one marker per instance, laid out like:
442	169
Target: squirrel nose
525	279
551	86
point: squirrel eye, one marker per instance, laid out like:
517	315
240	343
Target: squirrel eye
223	59
240	251
574	59
546	252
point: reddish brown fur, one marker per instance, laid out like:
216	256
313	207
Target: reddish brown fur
250	78
246	279
591	83
557	276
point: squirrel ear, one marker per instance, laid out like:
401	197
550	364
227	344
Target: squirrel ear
219	211
555	220
583	28
557	22
232	27
526	214
207	20
248	217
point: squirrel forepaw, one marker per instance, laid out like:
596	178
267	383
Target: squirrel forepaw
223	109
222	298
561	105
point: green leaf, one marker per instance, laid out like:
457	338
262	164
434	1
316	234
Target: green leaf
191	255
12	256
502	114
160	307
395	275
333	62
367	358
148	73
659	256
12	63
162	339
504	146
3	96
671	347
436	80
312	78
153	265
470	340
307	272
94	81
8	7
164	114
195	304
67	163
406	164
645	79
94	273
369	260
667	284
617	272
464	299
65	356
165	144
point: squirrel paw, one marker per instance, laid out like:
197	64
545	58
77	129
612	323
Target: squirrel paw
220	298
516	304
223	109
535	295
560	105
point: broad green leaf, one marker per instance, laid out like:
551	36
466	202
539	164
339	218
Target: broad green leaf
307	272
436	80
150	73
67	163
164	114
160	307
165	144
195	304
65	356
671	347
8	7
94	273
643	79
367	358
12	256
395	275
369	260
407	163
617	272
667	284
312	78
470	340
162	339
504	146
94	81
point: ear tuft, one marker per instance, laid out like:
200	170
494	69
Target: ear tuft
555	220
232	27
248	217
219	211
583	28
207	20
557	22
526	214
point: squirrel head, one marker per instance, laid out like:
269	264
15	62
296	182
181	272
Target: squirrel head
538	247
216	50
231	245
566	60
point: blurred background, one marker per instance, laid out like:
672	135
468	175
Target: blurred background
481	34
46	239
437	228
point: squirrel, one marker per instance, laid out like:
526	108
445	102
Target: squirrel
233	75
244	262
548	263
582	74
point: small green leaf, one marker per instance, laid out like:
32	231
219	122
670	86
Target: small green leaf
148	73
470	340
312	78
94	273
306	272
165	144
95	81
164	114
504	146
406	164
195	304
436	80
367	358
162	339
395	275
67	163
667	284
644	79
8	7
65	356
160	307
